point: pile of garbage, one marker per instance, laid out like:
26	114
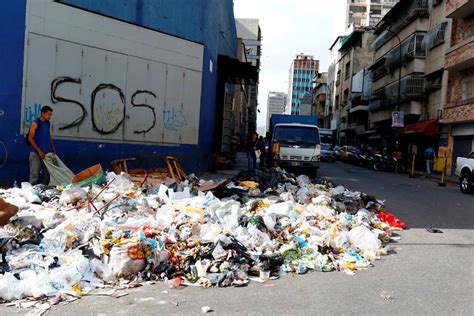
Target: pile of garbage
67	242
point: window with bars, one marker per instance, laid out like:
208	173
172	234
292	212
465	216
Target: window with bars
436	36
466	90
414	47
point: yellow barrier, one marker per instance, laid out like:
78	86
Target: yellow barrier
439	164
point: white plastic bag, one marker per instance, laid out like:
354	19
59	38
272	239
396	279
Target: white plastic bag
29	193
59	173
72	196
362	238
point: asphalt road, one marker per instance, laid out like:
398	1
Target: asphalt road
430	274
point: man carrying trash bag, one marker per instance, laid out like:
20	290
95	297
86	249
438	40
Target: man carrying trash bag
39	138
43	152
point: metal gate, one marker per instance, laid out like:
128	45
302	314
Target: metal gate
462	147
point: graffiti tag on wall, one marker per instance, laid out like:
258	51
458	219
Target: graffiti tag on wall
32	112
174	120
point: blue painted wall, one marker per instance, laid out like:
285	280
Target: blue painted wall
209	22
12	36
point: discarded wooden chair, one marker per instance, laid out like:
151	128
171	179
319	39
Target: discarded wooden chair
120	165
176	171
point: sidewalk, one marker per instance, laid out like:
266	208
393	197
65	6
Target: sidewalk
239	165
437	177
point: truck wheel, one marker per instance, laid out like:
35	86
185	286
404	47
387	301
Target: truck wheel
465	183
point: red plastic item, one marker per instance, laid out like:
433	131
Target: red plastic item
391	220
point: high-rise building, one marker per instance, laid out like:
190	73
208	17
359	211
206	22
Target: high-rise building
361	13
276	104
303	69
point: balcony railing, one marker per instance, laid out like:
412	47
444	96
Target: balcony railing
412	48
412	88
418	9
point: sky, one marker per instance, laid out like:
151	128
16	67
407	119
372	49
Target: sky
290	27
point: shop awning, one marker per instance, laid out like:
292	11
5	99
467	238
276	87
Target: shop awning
426	128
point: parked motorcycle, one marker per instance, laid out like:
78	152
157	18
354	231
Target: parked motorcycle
365	160
384	163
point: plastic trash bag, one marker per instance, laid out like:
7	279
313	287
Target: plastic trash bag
362	238
72	196
29	193
59	173
165	216
9	287
35	284
127	259
227	213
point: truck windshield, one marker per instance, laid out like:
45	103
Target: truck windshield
296	135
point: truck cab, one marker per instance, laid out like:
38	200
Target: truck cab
296	145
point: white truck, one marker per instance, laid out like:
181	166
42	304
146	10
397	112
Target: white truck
465	172
295	142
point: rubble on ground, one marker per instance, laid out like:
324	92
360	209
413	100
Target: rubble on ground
67	242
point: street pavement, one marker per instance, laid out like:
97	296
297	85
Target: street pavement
430	274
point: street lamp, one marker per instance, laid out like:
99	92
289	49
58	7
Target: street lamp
397	107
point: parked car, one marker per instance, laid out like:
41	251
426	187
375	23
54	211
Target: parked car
465	172
327	153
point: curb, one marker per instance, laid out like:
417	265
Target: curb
449	180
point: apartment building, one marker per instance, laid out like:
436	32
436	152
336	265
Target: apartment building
251	34
459	107
361	13
320	96
408	75
349	110
332	121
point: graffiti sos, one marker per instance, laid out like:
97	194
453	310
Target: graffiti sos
172	119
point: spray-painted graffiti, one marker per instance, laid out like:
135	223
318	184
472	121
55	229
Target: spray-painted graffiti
174	119
113	116
32	112
55	99
107	118
145	106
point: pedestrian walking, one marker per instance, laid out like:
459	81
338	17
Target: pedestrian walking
250	149
429	157
39	138
263	151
